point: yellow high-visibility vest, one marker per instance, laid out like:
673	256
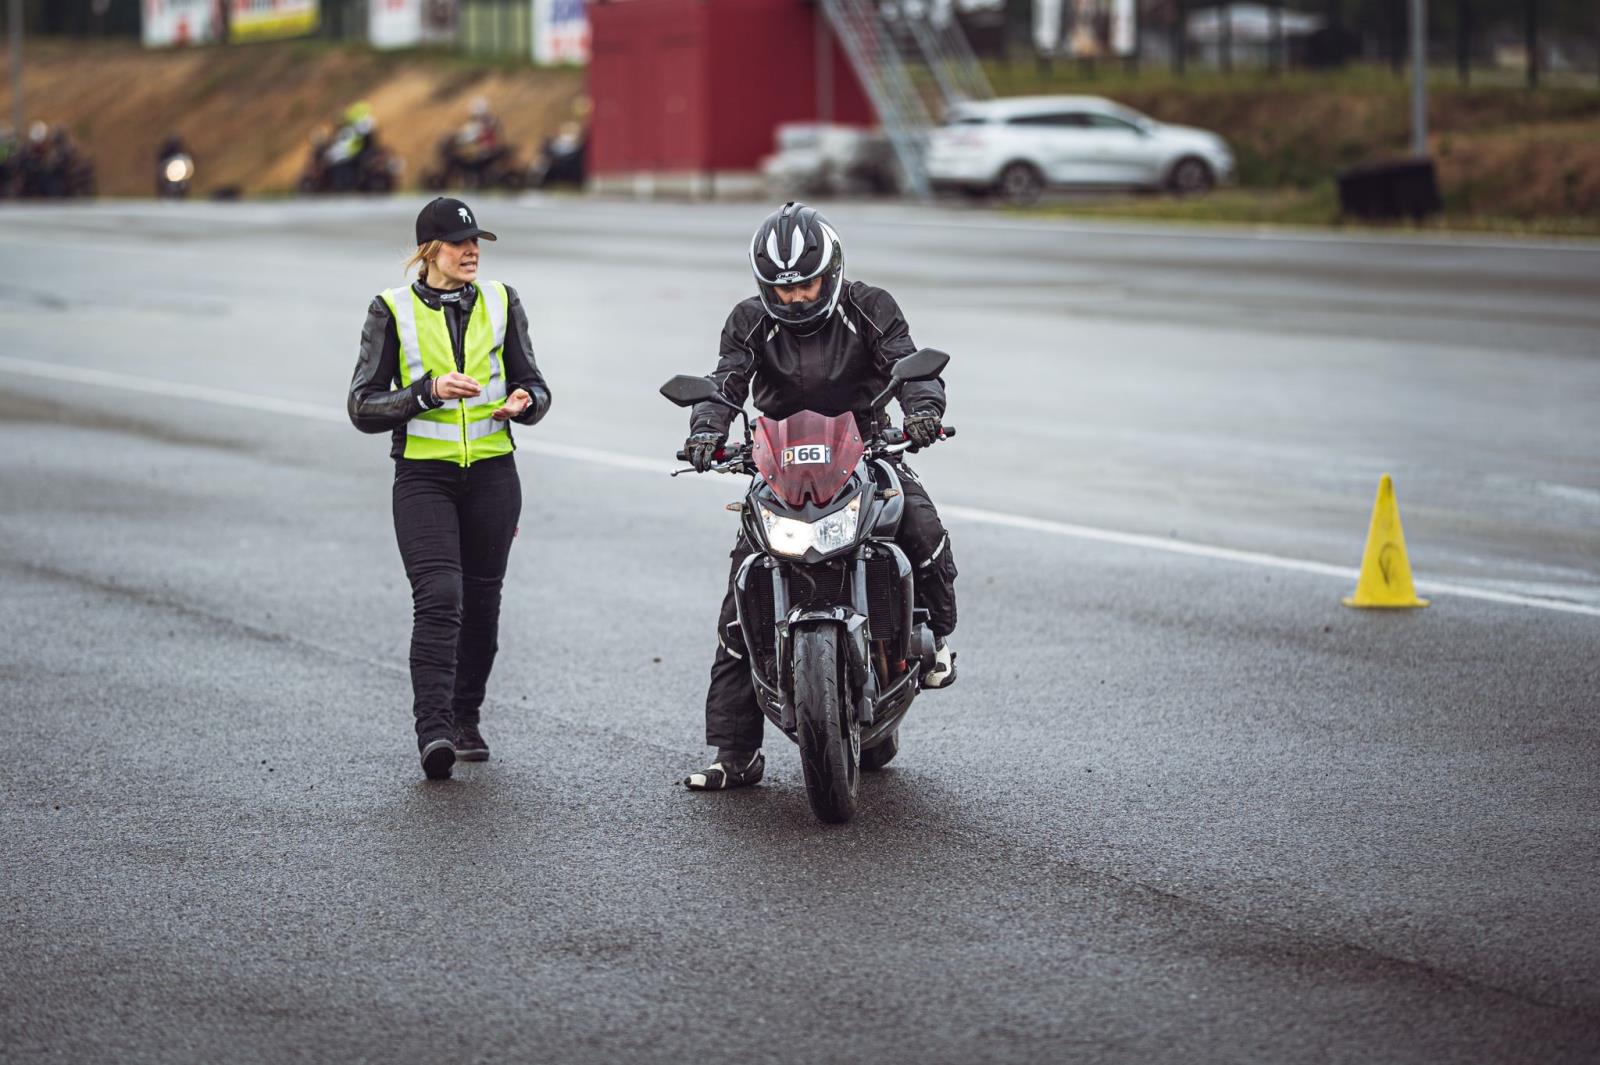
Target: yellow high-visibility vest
459	430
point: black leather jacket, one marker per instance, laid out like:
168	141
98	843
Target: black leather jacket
378	403
838	368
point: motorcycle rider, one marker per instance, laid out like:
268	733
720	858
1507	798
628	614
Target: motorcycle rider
477	146
811	340
354	144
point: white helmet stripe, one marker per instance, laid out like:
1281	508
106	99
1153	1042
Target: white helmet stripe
772	247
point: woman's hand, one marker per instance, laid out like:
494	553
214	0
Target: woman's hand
516	403
455	385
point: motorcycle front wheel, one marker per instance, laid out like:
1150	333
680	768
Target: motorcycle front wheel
830	739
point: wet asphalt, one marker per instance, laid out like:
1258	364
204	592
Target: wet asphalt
1178	808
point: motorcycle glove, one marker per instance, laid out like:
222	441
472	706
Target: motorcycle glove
701	450
923	427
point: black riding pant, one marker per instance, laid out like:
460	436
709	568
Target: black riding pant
454	526
733	719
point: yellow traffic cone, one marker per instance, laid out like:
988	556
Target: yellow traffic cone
1385	579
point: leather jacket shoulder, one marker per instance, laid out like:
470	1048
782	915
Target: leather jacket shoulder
838	368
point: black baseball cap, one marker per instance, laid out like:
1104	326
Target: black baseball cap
450	221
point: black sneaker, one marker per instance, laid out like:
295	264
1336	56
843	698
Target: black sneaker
438	755
732	769
470	746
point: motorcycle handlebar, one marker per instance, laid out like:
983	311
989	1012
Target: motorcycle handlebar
892	436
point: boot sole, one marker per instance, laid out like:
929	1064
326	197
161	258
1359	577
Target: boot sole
480	755
437	759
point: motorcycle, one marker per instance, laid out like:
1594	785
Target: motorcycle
466	165
347	161
825	599
174	173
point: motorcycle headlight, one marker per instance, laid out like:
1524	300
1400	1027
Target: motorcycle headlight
178	169
792	537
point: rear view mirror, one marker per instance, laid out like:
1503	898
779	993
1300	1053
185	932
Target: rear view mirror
925	365
686	391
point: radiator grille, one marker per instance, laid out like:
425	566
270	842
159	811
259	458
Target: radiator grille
883	597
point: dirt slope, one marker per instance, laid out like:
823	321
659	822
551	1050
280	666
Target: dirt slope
246	111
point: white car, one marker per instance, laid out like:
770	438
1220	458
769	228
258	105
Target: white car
1017	147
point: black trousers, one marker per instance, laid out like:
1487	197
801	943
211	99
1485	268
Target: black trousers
733	719
454	527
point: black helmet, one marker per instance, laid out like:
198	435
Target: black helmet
793	245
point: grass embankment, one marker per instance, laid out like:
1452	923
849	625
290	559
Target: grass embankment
1508	158
246	110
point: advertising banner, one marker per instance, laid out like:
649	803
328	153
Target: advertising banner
177	22
259	20
409	23
560	31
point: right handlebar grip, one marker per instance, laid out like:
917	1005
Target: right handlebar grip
683	456
948	432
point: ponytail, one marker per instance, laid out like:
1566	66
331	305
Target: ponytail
420	258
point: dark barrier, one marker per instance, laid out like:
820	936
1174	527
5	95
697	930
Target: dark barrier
1405	188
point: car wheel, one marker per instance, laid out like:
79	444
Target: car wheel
1191	177
1020	184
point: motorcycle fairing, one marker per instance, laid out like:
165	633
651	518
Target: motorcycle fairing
807	455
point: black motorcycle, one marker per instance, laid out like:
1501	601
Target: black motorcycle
825	600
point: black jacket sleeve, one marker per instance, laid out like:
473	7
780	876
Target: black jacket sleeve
736	361
890	338
521	370
377	403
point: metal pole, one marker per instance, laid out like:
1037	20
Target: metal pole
18	113
1533	43
1463	41
1180	33
1227	37
824	46
1419	78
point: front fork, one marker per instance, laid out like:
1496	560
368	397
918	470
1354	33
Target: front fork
775	692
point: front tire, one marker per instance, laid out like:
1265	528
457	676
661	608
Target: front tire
830	739
1191	176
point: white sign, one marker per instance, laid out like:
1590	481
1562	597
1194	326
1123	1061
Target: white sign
407	23
170	22
560	31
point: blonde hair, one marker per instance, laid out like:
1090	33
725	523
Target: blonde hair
424	255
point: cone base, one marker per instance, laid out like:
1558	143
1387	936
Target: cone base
1372	604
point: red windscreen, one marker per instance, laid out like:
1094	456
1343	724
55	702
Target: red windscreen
807	454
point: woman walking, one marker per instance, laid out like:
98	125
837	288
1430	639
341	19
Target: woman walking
446	365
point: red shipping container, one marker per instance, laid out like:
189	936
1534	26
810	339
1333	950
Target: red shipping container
696	88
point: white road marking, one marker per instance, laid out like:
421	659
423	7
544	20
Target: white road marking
619	460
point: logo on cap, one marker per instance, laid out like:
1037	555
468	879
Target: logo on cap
465	217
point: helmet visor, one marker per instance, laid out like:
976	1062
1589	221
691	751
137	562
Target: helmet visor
803	312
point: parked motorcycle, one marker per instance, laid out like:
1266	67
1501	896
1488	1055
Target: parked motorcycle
50	165
469	164
825	600
563	159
